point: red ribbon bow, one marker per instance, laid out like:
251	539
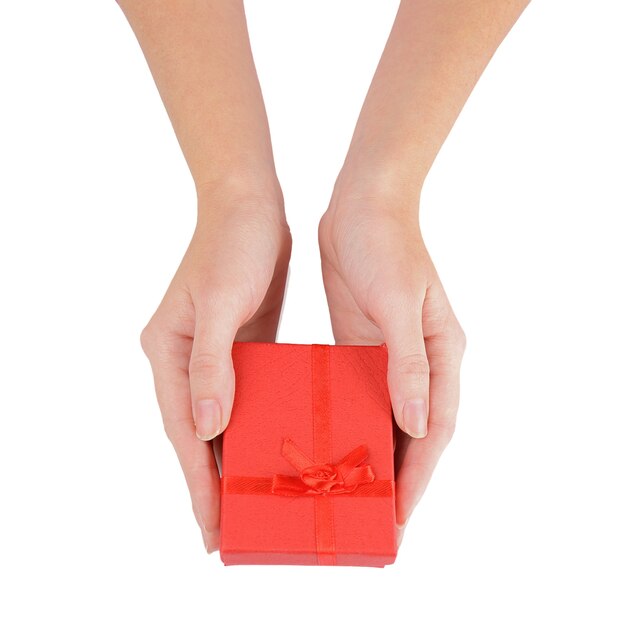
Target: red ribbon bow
344	477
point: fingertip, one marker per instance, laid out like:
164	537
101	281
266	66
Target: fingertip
211	540
404	512
399	533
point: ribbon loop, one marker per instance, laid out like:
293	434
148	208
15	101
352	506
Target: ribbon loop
344	477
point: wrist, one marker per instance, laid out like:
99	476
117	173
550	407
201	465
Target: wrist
382	185
241	190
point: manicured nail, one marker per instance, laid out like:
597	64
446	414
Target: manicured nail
416	418
208	420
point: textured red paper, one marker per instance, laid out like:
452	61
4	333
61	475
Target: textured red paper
275	399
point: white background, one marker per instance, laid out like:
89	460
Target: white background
523	216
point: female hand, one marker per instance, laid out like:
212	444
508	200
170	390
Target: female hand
380	282
381	286
229	286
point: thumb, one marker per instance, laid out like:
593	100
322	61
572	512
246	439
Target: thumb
408	367
211	373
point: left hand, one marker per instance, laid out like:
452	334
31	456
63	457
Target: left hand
382	286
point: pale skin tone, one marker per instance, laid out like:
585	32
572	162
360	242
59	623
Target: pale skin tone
380	282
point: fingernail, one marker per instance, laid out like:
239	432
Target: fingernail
208	420
416	418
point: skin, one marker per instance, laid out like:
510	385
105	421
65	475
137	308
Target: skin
380	282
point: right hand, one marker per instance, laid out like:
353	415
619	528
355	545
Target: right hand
229	286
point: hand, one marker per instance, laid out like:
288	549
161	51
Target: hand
381	286
229	286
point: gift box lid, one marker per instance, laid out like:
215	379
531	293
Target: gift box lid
307	458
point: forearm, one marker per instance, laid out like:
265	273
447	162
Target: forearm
435	54
199	54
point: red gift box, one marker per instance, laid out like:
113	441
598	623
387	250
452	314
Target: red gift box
307	458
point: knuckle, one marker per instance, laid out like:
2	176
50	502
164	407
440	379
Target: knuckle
148	339
172	428
461	340
463	336
455	341
414	365
445	428
204	365
169	432
169	427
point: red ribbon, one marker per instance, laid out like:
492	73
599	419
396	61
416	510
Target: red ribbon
344	477
319	478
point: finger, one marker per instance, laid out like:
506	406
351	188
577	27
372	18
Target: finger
408	367
420	456
211	373
196	457
420	459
